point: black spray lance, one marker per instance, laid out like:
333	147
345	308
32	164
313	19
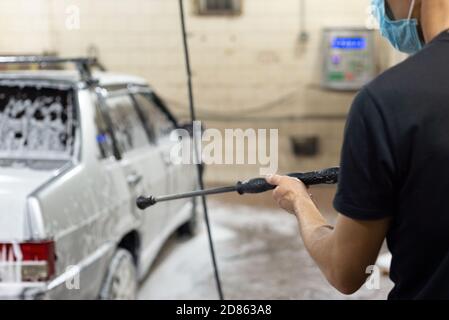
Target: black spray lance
252	186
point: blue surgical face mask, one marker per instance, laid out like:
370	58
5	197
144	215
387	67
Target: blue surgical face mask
402	34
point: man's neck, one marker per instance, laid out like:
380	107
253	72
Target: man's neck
434	18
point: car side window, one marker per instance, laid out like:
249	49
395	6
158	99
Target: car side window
128	129
157	120
103	136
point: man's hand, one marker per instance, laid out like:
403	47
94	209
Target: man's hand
289	192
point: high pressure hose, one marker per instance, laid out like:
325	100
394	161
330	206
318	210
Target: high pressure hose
198	156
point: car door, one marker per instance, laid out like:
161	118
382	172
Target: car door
145	170
180	175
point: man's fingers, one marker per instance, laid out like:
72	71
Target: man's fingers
276	179
276	193
273	179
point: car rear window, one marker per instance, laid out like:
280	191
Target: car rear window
36	123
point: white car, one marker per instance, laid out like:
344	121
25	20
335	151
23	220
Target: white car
76	150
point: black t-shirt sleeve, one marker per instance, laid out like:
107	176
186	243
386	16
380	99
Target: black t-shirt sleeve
366	186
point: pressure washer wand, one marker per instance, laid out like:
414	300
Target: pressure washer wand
252	186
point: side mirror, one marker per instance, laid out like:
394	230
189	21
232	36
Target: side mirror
190	128
186	126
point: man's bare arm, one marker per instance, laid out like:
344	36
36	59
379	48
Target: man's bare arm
342	252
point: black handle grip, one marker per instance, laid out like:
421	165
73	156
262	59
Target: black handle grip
325	176
259	185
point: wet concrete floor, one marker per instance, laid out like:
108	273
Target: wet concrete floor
259	252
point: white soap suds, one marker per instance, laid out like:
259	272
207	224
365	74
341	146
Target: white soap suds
35	123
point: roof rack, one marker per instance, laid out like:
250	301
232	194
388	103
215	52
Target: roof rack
83	65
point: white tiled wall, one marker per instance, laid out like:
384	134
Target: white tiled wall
25	26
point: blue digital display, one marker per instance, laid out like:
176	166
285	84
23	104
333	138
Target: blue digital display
349	43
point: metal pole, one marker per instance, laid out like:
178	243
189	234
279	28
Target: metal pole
198	156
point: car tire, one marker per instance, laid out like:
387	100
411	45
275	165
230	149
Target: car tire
189	228
121	279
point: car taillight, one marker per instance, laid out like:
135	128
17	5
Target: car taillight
27	261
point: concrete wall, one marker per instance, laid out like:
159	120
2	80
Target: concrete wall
248	65
25	26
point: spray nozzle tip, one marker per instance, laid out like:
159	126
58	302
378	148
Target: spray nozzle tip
145	202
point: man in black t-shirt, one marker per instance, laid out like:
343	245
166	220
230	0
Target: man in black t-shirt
394	183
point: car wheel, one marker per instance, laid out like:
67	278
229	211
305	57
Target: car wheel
189	228
121	279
